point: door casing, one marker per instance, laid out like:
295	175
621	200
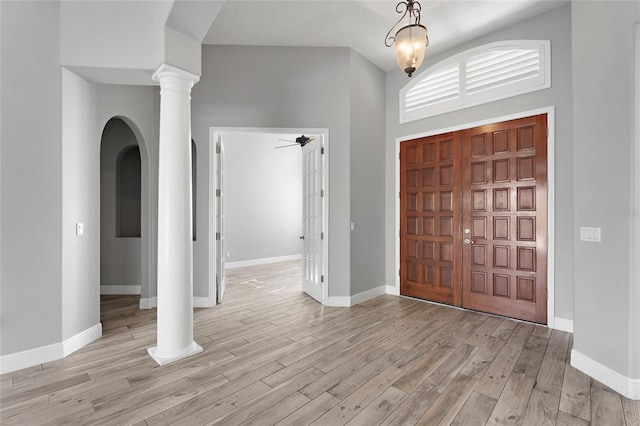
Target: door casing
550	111
215	133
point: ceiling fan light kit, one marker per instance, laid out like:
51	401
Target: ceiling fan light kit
411	40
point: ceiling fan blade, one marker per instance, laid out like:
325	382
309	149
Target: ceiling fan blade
286	140
286	146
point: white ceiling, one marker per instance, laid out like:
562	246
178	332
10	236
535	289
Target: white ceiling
363	24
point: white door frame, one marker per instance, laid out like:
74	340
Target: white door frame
552	321
218	132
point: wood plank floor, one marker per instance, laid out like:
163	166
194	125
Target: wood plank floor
273	356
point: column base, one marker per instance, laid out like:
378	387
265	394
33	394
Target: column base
164	359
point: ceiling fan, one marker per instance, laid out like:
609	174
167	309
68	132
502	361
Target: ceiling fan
300	140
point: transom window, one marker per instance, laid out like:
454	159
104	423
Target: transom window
477	76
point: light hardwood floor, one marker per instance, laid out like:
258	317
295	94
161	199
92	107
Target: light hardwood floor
272	356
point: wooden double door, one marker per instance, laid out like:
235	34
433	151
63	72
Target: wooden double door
473	218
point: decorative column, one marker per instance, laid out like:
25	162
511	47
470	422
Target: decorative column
175	246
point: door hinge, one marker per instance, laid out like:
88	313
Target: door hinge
217	192
399	273
218	236
321	278
218	149
322	151
217	279
322	192
322	235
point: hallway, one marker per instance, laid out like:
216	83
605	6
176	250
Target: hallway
272	355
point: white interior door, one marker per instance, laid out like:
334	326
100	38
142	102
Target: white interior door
220	246
312	219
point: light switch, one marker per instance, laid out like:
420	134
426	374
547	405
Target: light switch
592	235
353	226
79	228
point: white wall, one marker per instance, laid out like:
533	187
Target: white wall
604	115
263	194
31	172
368	84
120	257
554	25
281	88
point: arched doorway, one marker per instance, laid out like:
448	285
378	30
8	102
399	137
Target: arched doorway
121	209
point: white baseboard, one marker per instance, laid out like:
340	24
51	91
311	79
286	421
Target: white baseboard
338	301
48	353
120	289
345	302
203	302
626	386
368	295
265	261
198	302
393	290
563	324
148	302
29	358
81	339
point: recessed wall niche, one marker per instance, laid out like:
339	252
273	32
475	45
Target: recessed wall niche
128	193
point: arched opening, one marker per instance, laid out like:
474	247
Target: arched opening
120	210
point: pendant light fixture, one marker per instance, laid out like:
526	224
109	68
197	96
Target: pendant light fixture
411	40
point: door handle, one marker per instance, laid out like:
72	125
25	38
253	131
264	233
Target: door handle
468	241
302	237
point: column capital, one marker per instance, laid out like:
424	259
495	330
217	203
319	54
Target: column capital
166	70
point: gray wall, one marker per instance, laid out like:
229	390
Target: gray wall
603	53
138	106
31	176
80	203
263	197
367	175
277	87
120	257
50	177
554	25
87	108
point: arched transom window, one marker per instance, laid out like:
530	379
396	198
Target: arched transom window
483	74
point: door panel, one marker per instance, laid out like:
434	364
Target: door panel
504	211
430	208
312	218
